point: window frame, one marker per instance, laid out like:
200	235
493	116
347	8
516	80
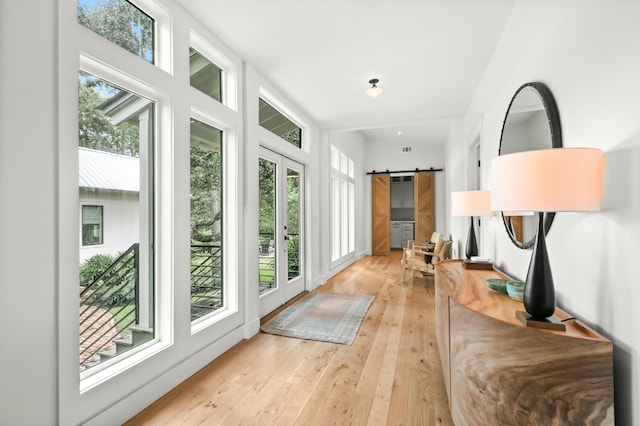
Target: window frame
342	204
82	225
168	87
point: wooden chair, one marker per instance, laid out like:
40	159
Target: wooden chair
423	257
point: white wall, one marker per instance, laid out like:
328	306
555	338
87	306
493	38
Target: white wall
585	52
28	223
381	156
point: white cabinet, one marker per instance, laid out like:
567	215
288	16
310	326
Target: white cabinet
407	233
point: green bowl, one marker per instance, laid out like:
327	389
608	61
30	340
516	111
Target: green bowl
515	289
497	284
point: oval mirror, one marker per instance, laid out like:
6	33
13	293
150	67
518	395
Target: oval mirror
531	123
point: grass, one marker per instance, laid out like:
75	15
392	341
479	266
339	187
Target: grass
127	315
267	270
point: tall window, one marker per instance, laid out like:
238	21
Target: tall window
115	159
278	124
342	205
121	23
206	220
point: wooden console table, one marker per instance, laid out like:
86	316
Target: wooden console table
497	371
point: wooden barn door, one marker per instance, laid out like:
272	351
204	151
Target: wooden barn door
380	205
424	202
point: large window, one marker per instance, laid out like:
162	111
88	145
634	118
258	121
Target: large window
147	200
342	205
91	225
115	159
121	23
278	124
206	220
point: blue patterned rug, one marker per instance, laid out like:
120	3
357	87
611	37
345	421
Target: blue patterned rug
328	317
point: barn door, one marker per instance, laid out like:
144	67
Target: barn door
425	211
380	220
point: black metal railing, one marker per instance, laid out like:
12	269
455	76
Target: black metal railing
206	279
109	305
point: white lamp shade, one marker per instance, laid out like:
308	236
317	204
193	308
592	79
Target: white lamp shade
550	180
471	203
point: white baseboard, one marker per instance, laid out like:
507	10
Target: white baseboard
131	405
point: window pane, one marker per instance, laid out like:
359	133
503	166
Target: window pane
274	121
115	171
344	218
91	225
206	220
344	163
352	167
335	218
205	75
352	217
335	158
121	23
267	225
293	222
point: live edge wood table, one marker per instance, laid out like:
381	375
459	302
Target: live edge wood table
499	372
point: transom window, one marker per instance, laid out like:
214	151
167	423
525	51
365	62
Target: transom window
205	75
277	123
121	23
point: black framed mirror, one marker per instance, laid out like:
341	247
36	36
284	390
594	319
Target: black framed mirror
531	123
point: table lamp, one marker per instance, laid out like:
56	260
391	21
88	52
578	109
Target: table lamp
550	180
471	203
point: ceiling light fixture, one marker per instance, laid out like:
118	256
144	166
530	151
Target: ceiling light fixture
374	90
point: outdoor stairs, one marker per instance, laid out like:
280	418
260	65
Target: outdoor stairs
138	336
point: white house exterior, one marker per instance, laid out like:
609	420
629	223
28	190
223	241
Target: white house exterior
110	183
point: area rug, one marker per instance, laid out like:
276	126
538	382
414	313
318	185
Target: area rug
328	317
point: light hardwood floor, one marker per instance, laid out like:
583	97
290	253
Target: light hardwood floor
390	375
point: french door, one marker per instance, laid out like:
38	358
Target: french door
280	230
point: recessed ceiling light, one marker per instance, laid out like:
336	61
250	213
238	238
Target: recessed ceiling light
399	132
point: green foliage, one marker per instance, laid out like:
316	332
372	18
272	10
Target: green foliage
120	22
96	130
115	287
206	194
91	268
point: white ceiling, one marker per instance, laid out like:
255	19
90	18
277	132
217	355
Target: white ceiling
428	54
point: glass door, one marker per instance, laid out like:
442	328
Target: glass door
280	237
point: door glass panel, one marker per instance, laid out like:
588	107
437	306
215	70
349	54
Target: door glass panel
206	220
293	222
267	225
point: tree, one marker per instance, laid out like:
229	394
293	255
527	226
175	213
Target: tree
120	22
96	131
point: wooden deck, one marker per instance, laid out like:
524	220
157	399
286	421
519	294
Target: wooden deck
390	375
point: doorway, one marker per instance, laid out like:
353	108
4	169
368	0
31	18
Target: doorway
280	236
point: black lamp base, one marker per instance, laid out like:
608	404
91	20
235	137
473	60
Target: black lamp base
472	244
549	323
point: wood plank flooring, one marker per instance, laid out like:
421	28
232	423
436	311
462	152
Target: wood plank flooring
390	375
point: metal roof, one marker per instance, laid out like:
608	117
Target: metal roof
104	170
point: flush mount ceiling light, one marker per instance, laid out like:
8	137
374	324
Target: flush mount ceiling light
374	90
